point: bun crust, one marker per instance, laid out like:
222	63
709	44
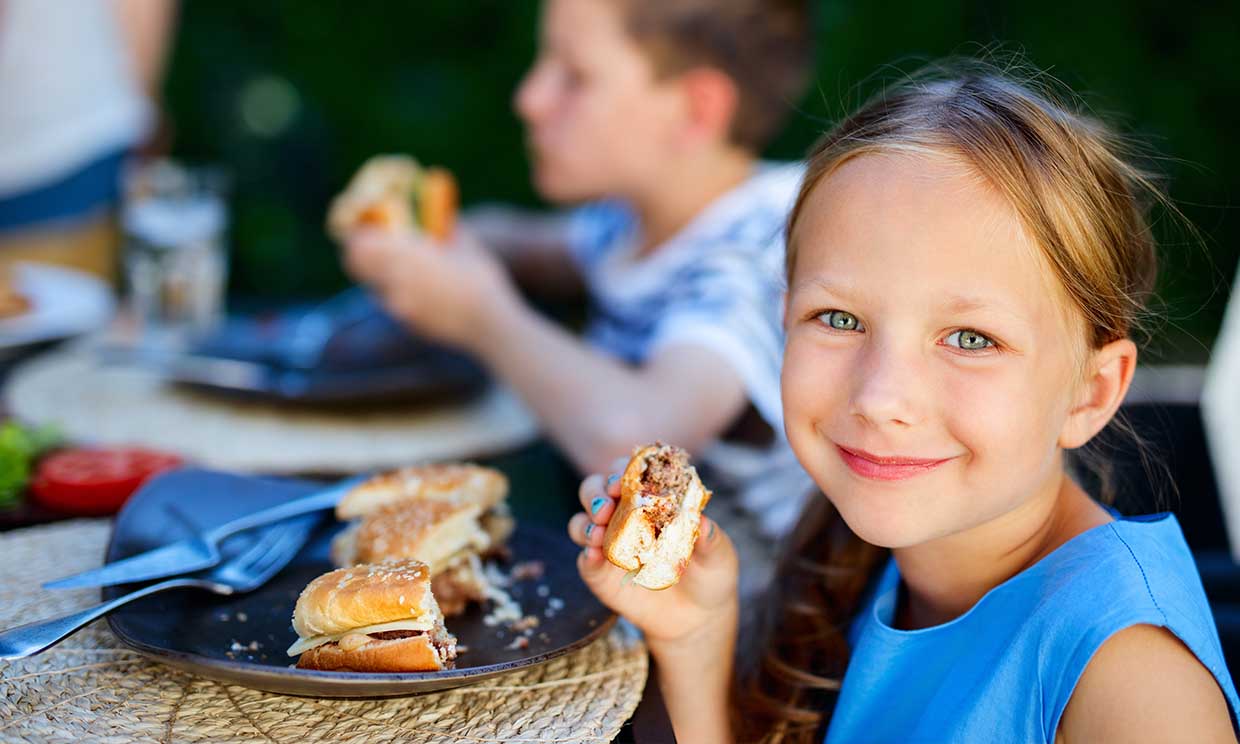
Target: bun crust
652	534
355	597
383	194
378	194
415	654
430	531
456	482
437	203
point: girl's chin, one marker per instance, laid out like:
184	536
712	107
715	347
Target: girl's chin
890	527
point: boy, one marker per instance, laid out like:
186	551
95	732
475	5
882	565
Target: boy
651	112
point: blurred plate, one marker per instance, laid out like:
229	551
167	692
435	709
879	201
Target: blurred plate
63	303
242	640
437	377
345	350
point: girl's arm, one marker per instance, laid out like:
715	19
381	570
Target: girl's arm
690	627
1144	685
694	680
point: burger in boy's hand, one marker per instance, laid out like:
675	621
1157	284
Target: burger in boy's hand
394	192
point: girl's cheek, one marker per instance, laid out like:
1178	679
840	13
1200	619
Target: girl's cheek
992	410
815	381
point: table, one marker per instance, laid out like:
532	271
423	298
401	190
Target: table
544	488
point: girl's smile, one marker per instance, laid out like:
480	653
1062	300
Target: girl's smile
889	467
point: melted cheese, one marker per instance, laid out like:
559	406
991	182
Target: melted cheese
305	644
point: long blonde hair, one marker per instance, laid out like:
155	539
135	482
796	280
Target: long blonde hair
1083	202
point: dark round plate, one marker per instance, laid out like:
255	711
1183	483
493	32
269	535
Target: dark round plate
242	639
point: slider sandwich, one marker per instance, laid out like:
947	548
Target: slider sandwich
372	618
447	516
394	192
655	525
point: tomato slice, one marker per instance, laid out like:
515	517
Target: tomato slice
95	481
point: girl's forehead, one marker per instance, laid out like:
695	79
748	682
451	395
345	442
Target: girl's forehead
917	225
912	212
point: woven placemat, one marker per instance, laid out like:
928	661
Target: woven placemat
90	688
121	405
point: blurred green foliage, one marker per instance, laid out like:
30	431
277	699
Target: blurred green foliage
20	445
291	96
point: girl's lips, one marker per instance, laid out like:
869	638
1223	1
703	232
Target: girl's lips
887	468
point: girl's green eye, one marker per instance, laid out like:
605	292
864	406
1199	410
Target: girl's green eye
969	340
840	320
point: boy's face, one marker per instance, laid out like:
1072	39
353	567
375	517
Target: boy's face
931	359
598	122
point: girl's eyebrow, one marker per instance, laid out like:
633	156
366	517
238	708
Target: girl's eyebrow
837	288
961	305
953	304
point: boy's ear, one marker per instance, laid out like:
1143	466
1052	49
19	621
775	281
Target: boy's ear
711	100
1109	374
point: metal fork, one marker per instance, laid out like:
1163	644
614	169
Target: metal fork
201	551
247	571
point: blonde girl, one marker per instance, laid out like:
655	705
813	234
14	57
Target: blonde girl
967	261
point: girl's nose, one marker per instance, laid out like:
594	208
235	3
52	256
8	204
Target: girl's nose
886	390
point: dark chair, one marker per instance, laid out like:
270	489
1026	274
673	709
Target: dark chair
1165	413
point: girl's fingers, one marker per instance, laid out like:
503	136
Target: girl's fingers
577	528
708	531
598	497
712	543
590	489
584	532
593	567
600	510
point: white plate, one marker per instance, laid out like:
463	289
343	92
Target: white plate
63	303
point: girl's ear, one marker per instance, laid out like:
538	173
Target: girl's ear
1108	376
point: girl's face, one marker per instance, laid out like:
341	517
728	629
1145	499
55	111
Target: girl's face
932	358
598	121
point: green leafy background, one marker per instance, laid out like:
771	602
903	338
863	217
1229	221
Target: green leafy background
291	96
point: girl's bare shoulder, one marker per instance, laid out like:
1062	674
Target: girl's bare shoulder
1145	685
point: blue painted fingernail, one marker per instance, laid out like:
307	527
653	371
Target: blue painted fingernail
589	529
711	533
597	504
611	479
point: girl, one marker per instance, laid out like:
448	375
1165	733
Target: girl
966	261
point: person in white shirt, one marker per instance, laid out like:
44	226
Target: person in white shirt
78	81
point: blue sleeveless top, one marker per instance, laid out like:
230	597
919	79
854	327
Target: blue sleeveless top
1004	670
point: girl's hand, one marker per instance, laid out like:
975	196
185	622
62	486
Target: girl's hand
697	612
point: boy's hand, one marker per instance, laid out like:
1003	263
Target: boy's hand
445	291
696	614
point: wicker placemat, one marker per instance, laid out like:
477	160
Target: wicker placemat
90	688
120	405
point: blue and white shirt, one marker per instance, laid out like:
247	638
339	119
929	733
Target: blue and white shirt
719	284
